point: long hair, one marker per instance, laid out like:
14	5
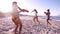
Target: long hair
35	10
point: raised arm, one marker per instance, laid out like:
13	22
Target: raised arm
22	10
35	11
45	13
32	11
19	8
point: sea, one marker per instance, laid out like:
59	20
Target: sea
51	17
43	17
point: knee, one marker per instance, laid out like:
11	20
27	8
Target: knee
34	19
21	25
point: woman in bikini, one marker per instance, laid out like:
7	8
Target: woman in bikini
48	16
36	17
15	16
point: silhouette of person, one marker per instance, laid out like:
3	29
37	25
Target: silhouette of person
48	16
35	17
15	16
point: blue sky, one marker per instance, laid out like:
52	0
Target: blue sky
40	5
43	5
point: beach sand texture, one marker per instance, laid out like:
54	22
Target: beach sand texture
7	26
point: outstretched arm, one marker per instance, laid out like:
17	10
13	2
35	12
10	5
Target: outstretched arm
22	10
19	8
35	11
46	13
32	11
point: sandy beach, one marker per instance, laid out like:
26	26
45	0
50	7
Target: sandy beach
7	26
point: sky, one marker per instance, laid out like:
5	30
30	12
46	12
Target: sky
40	5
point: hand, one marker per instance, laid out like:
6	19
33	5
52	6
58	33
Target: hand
24	10
45	12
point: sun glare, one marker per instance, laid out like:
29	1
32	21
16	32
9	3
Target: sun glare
5	6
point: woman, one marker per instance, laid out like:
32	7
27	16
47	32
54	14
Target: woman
48	16
15	16
35	17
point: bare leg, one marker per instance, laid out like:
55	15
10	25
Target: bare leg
49	19
38	21
16	29
14	20
20	25
48	22
34	20
20	28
